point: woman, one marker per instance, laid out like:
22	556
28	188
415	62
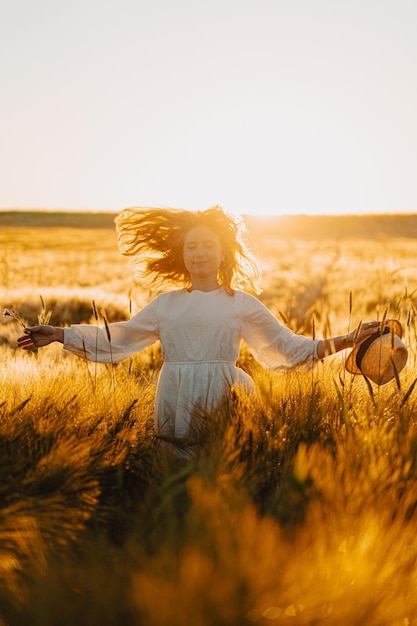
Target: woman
201	324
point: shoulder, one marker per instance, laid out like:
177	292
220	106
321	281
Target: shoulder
248	307
168	299
168	296
245	299
161	300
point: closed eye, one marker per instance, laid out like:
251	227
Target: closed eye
206	244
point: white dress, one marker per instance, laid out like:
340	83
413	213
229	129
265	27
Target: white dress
200	334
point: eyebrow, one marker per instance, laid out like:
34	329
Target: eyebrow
204	241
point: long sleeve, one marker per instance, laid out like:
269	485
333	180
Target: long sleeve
126	338
275	346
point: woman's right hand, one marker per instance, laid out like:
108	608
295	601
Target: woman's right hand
39	336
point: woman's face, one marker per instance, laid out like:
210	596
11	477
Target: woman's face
202	253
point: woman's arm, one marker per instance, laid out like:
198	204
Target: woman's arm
110	344
276	347
326	347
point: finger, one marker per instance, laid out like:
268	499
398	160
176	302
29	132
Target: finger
25	341
26	344
32	329
29	347
23	338
371	328
368	329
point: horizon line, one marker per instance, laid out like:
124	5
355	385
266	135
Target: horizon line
259	215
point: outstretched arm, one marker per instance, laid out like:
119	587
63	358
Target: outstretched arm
325	347
109	344
39	336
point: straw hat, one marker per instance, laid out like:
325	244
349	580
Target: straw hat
380	355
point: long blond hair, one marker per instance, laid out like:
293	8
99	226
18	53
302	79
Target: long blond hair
154	237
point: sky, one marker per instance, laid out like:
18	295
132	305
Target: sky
261	106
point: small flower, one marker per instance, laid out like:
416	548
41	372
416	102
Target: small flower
15	315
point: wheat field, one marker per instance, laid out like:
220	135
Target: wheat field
299	508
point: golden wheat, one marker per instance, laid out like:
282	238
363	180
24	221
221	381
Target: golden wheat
300	505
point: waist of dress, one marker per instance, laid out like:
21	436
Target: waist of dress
208	362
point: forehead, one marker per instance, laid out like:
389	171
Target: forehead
201	233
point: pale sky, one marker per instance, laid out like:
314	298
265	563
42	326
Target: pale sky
262	106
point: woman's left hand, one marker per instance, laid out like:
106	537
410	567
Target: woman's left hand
362	332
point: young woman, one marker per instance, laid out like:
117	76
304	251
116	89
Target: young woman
201	324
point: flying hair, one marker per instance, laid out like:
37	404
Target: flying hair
154	237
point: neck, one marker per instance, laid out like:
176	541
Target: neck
202	284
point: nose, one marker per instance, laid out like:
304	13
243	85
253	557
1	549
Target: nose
199	251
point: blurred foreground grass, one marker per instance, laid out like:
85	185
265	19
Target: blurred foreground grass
300	506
